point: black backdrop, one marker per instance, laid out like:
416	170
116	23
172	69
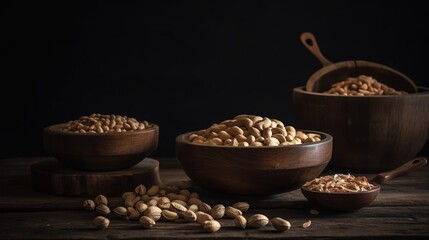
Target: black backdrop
185	64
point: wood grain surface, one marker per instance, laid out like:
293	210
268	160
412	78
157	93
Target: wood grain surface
401	211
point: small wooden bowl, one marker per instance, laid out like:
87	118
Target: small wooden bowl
253	171
100	151
371	133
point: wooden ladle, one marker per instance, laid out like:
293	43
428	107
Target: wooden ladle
331	73
349	201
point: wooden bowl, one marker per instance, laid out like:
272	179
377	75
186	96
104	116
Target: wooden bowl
100	151
370	133
253	171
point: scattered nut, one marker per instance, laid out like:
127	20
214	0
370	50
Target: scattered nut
257	221
218	211
100	199
232	212
240	222
147	222
314	212
121	212
242	206
103	209
88	205
101	222
306	224
190	216
211	226
280	224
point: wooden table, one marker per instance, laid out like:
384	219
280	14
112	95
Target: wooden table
400	211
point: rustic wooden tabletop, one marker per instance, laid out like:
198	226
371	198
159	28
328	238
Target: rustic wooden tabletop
401	211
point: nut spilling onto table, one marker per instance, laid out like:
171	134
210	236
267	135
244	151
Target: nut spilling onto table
174	202
98	123
362	86
251	130
339	183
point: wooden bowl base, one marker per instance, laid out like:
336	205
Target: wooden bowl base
50	176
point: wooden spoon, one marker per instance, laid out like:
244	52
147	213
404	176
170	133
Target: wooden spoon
349	201
335	72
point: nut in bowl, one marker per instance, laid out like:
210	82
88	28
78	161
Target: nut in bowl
265	168
101	142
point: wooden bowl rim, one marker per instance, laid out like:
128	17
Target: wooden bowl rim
327	138
54	129
421	91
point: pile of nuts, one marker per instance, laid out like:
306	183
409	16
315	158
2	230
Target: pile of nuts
339	183
251	130
171	202
98	123
362	86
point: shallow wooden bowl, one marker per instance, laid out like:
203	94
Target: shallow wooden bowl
371	133
253	171
100	151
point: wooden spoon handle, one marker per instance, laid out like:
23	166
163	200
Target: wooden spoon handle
401	170
310	43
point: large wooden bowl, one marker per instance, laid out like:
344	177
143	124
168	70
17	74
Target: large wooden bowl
372	133
100	151
253	171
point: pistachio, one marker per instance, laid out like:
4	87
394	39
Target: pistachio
185	192
140	190
240	221
120	212
232	212
202	217
164	203
218	211
189	216
193	208
177	207
147	222
194	200
153	212
140	206
194	195
211	226
257	221
88	205
131	201
127	194
183	203
169	215
152	202
101	222
242	206
103	209
204	207
152	191
100	199
280	224
133	214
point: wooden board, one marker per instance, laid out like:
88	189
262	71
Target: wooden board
50	176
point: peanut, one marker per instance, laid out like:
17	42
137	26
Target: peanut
249	130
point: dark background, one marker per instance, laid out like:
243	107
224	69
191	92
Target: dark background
185	64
